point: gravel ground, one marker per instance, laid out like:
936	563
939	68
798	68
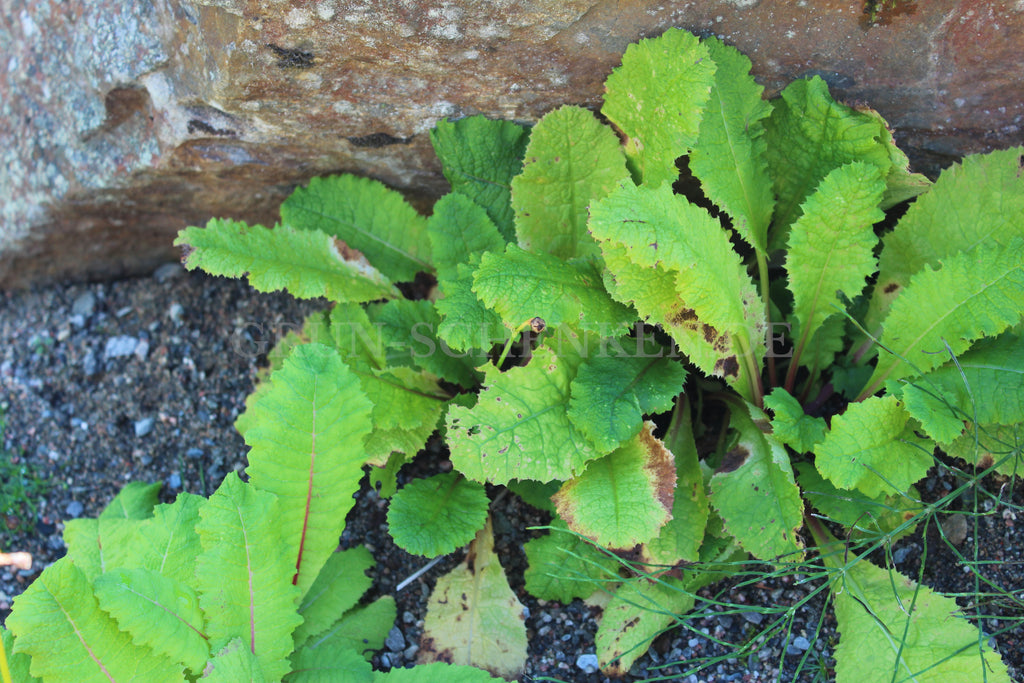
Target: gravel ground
141	380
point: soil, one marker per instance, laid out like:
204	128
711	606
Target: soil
141	380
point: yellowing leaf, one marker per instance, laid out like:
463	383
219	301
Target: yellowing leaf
473	617
624	498
639	612
571	160
681	538
656	98
911	632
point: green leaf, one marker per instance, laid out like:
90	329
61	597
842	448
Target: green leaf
866	449
474	618
939	419
714	312
612	393
830	244
337	589
135	501
977	202
436	515
308	263
571	160
157	612
59	624
520	286
519	428
362	629
624	498
246	589
171	537
791	425
460	231
681	538
640	611
729	155
329	665
479	158
754	491
438	671
911	632
234	662
17	662
306	434
997	445
407	403
97	545
536	493
408	329
466	322
809	134
563	566
865	517
368	217
974	295
657	98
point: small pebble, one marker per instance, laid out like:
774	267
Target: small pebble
175	311
753	617
118	347
900	554
801	643
194	453
84	305
144	426
174	481
955	528
168	271
588	663
74	509
395	640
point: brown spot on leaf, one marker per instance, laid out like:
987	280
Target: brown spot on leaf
684	315
347	253
764	425
986	461
660	467
727	367
733	460
890	288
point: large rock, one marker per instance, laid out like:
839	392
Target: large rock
125	120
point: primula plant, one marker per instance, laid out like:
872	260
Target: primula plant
689	368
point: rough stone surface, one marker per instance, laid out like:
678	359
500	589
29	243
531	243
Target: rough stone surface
122	122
